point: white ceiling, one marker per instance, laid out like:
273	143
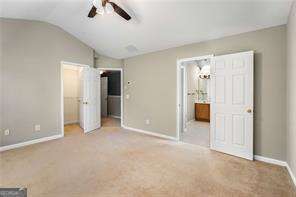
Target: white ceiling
156	25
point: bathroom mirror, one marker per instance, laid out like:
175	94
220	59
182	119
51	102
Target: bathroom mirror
203	90
203	81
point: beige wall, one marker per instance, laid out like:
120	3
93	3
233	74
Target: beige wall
30	77
102	61
153	88
71	96
291	90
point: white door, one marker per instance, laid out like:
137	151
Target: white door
232	104
104	95
90	111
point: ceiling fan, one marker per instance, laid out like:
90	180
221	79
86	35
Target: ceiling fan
102	6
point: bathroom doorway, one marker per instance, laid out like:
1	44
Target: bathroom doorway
195	82
227	90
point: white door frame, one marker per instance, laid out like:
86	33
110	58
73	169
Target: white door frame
185	97
179	88
121	91
63	63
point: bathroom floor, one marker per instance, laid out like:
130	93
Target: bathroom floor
197	133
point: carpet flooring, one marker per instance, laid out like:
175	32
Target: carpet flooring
113	162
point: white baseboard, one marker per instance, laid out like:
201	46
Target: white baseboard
277	162
150	133
18	145
71	122
291	174
270	160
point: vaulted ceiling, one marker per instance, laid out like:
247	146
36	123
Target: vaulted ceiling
155	25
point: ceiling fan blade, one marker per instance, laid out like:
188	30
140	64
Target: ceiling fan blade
120	11
92	12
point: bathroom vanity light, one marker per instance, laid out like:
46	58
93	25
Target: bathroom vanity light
204	76
205	72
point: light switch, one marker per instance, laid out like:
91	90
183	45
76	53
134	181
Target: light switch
127	96
37	128
6	132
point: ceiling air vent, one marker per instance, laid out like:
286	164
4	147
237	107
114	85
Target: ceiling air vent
131	48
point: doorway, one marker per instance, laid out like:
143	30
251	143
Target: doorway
71	97
111	97
225	100
80	98
195	85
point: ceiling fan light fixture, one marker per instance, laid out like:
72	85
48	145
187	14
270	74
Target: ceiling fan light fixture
105	6
101	10
97	3
109	8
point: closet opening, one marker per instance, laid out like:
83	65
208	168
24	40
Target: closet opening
71	98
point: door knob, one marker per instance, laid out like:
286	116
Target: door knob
249	110
85	103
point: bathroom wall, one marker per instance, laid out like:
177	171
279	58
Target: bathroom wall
192	85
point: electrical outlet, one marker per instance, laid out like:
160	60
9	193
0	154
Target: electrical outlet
37	127
147	121
127	96
6	132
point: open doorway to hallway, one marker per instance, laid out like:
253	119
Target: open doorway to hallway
111	97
